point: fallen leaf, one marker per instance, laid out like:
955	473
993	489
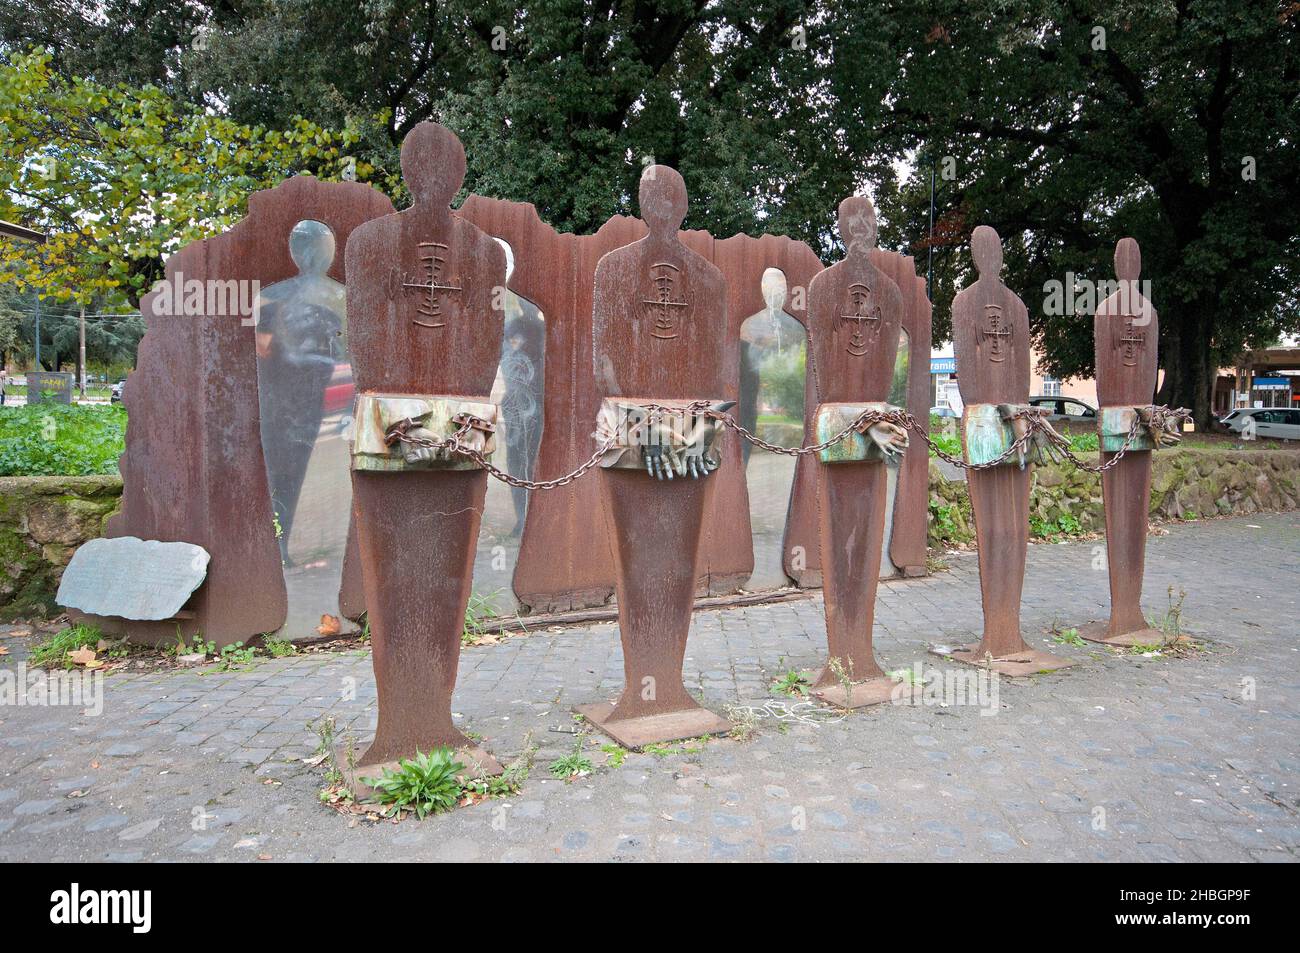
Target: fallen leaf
263	856
4	650
82	656
312	762
329	625
78	793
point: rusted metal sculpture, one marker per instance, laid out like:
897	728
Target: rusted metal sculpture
658	339
991	342
193	470
558	569
906	545
743	260
854	313
425	341
1126	330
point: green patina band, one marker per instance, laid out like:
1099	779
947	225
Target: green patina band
987	435
833	418
1113	426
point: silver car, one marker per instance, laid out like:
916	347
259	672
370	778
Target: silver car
1282	423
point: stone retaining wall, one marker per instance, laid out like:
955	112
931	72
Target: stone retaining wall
42	522
1185	484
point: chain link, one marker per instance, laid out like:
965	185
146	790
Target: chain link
1159	417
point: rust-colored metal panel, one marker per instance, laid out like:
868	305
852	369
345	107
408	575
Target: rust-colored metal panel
991	343
743	259
659	332
563	561
855	311
1126	332
908	531
193	469
421	317
907	544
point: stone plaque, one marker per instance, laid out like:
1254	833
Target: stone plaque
133	578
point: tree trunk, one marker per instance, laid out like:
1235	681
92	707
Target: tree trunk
1190	370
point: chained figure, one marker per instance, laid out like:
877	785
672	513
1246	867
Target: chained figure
991	342
658	347
854	314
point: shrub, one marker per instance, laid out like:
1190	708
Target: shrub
61	440
426	784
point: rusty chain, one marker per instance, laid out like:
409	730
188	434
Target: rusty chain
453	444
1159	416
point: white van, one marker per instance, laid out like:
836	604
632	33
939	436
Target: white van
1280	422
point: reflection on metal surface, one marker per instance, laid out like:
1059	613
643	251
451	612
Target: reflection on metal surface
773	362
304	383
517	391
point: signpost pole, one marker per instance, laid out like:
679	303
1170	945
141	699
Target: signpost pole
81	352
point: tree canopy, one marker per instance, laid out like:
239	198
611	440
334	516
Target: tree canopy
1065	124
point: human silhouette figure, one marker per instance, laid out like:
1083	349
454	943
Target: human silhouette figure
301	338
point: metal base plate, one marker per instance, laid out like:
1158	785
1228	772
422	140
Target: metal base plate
636	733
1016	665
478	764
873	691
1096	632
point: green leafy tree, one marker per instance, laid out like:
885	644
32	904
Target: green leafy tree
121	177
1065	124
1068	125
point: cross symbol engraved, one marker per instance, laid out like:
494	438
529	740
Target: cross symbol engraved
663	307
862	310
433	257
995	332
1131	342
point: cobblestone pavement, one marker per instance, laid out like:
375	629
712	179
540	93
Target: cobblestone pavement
1119	758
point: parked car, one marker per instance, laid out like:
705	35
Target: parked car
1282	423
943	410
1064	408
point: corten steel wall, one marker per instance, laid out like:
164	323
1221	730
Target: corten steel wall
193	468
194	464
563	563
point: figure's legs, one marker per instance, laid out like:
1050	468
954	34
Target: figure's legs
417	533
656	530
852	502
999	498
656	526
1126	491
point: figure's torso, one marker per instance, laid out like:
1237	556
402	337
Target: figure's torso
659	323
854	315
990	326
420	305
